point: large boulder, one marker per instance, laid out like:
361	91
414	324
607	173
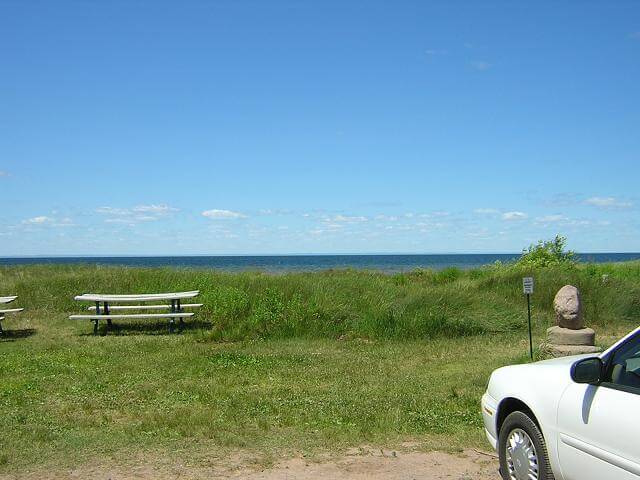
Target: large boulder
568	308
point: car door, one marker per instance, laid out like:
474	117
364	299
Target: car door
599	426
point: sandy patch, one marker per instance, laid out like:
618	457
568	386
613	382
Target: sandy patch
357	464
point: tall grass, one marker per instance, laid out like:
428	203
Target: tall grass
347	303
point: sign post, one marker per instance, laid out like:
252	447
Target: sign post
527	287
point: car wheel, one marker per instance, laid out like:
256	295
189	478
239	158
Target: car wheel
522	450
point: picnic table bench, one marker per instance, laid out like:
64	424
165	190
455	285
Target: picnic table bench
104	307
3	311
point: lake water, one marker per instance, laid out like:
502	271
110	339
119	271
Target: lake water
290	263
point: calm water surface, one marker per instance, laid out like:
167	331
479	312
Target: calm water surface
291	263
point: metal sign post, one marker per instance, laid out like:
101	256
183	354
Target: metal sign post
527	287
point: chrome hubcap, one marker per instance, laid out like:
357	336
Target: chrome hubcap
522	459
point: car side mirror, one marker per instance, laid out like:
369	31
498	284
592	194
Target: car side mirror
587	370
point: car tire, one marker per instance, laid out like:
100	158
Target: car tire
521	448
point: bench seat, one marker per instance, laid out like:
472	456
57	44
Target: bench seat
103	316
7	299
11	310
147	307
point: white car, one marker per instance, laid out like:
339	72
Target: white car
571	418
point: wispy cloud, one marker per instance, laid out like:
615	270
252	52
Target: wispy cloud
551	219
480	65
4	173
348	219
158	210
387	218
486	211
218	214
608	202
44	220
635	35
279	212
513	216
137	214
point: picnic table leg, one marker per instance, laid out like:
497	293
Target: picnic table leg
179	309
106	312
172	320
1	331
95	321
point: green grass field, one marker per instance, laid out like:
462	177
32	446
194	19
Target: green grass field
272	364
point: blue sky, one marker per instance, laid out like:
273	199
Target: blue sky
229	127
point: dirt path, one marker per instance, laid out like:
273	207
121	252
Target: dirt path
358	464
384	465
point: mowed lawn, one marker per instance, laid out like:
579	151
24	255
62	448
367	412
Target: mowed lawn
67	397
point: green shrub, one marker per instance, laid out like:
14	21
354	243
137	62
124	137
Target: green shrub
546	253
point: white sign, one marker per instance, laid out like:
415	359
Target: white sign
527	285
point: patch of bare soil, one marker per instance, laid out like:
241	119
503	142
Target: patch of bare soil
357	464
388	465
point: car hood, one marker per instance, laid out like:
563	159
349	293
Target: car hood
570	360
553	374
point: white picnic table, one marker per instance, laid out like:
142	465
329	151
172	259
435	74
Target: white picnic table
3	311
103	307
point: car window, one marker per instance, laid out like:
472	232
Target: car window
623	370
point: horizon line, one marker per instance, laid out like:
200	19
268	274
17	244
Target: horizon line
287	254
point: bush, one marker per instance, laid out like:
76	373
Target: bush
547	253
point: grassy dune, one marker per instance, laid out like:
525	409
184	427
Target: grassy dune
333	304
272	364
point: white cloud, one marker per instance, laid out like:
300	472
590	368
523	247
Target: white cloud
551	219
42	219
112	211
137	214
222	214
607	202
511	216
440	214
3	173
348	219
387	218
486	211
280	212
154	209
480	65
119	220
